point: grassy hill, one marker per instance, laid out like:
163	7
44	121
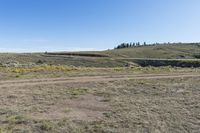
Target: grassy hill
158	55
176	51
173	51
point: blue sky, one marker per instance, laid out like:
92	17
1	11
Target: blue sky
54	25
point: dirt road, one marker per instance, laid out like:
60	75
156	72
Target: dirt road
82	79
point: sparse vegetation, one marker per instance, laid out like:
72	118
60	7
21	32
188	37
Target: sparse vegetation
164	105
119	93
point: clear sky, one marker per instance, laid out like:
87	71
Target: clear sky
53	25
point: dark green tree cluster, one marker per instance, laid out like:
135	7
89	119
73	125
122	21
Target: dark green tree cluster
129	45
138	44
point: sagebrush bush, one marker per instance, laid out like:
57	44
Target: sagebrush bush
43	69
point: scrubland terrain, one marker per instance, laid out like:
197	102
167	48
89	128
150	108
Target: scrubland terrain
178	55
77	99
114	91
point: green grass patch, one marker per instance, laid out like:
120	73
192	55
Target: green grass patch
76	92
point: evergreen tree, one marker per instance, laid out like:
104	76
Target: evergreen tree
130	44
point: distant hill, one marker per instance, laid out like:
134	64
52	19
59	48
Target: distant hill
172	51
181	55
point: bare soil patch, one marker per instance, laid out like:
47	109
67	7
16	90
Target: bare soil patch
84	108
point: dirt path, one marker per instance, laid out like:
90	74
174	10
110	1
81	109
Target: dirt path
46	81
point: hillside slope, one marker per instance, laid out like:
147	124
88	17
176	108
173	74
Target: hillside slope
176	51
183	55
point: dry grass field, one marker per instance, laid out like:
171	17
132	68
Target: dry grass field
61	99
99	66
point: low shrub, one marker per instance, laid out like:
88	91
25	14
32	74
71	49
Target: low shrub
44	68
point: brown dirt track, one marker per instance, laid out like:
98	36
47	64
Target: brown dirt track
82	79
